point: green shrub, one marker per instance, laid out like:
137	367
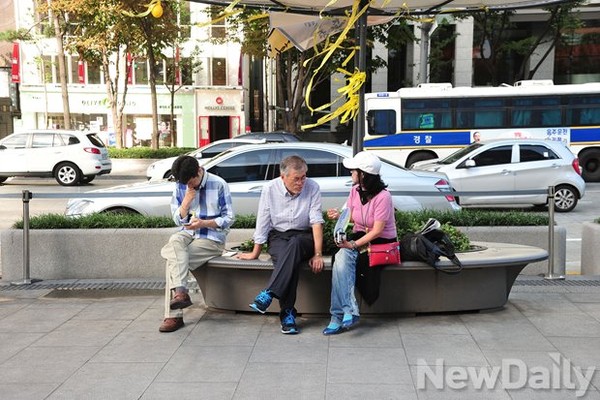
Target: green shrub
147	152
405	222
96	221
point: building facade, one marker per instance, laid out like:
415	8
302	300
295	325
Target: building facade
230	94
207	107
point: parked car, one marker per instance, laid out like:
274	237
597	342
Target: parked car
277	136
162	169
248	168
512	165
71	157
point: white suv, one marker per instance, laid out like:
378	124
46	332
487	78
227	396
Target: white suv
71	157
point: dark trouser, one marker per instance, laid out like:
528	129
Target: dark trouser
288	251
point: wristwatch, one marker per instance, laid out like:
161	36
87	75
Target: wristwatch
353	244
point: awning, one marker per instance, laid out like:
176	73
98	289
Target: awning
389	7
304	31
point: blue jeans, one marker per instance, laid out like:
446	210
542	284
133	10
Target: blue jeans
343	300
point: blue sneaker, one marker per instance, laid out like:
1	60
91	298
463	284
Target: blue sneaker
262	302
288	323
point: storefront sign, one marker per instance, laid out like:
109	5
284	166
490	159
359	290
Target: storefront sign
16	65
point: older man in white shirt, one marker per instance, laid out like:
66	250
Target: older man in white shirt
290	220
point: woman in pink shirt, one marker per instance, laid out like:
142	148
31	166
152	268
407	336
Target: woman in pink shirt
372	213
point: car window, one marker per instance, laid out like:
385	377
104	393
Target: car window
42	139
96	141
320	163
457	155
219	148
16	142
497	155
533	152
243	167
68	139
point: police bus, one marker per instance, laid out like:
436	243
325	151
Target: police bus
434	120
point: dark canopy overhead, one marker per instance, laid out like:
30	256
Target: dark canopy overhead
387	6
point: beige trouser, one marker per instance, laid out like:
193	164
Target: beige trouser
184	253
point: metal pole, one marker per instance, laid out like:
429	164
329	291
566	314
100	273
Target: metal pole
551	274
359	123
27	195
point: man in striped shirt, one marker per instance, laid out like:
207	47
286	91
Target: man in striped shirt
290	220
201	205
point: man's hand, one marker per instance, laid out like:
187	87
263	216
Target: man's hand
190	195
253	255
316	264
246	256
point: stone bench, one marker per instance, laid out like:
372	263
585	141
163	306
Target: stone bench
412	287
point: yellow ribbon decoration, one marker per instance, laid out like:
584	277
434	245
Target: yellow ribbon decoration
349	108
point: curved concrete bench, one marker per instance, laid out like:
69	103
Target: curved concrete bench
411	287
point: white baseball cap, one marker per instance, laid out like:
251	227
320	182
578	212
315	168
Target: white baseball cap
366	161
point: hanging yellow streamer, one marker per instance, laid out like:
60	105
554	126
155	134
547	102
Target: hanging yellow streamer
355	80
349	92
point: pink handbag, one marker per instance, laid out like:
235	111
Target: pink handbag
384	254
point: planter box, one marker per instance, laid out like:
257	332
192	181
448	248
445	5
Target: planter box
90	253
135	253
536	236
590	248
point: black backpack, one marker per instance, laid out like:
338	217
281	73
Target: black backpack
428	247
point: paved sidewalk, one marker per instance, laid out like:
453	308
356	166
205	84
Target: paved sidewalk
77	345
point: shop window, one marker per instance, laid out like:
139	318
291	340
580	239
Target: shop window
219	71
93	74
74	69
217	30
140	72
186	69
45	68
184	19
159	71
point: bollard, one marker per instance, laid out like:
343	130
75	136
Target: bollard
551	274
27	195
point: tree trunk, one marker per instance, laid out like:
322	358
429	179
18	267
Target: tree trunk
172	131
62	71
147	30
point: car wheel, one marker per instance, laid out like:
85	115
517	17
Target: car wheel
87	178
590	163
420	156
67	174
167	174
565	198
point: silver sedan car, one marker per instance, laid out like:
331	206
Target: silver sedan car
512	165
161	169
247	168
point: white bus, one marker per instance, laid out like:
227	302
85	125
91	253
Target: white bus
433	120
